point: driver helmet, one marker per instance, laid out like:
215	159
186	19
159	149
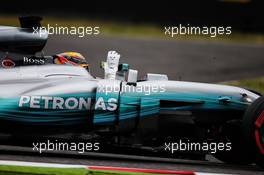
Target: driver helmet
71	58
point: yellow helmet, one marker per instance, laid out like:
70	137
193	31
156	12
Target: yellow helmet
71	58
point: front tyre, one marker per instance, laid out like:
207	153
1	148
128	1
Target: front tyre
253	130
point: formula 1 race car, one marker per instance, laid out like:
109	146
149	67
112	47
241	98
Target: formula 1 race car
120	109
42	99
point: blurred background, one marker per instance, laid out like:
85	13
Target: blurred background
242	15
136	30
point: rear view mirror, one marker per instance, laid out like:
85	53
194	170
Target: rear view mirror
132	77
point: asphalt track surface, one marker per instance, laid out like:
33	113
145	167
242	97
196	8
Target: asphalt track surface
200	61
104	159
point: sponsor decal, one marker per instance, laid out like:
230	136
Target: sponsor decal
29	61
8	63
47	102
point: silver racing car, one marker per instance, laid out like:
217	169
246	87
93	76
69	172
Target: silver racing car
120	109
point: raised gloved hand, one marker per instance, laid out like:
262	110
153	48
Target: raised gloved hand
111	65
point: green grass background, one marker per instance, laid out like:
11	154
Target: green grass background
126	29
27	170
256	84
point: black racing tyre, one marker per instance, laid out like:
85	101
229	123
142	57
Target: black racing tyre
253	130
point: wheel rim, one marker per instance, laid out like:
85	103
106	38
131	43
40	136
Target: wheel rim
259	132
